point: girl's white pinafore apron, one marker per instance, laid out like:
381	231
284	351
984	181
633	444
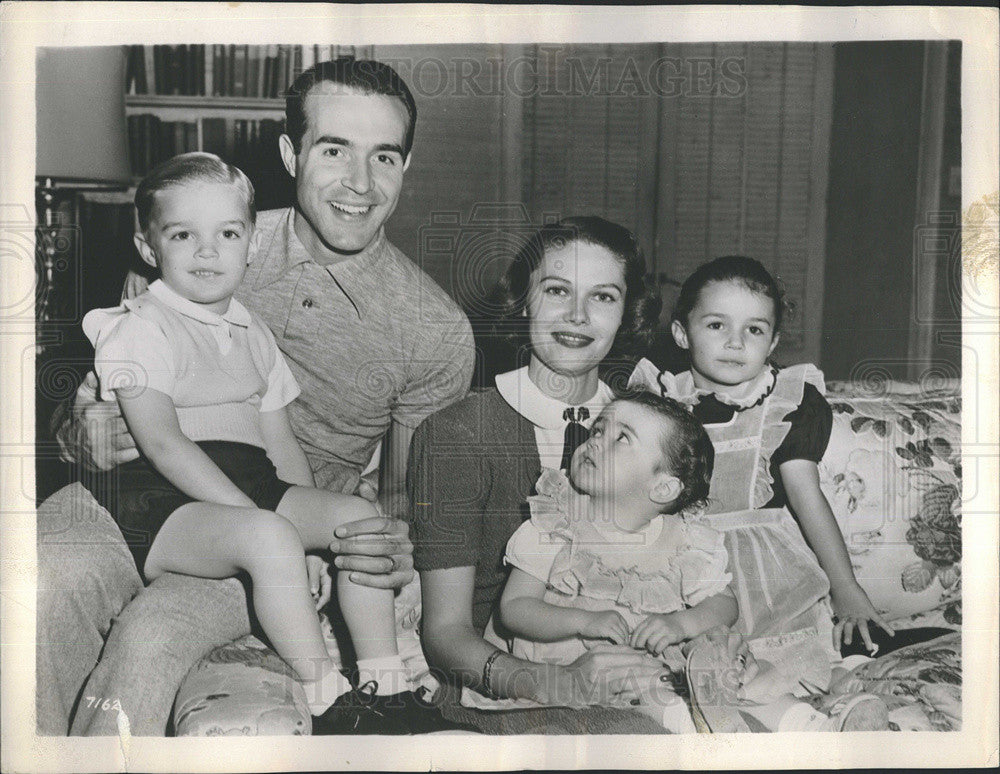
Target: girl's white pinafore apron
781	589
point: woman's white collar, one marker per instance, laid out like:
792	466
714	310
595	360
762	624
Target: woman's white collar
526	399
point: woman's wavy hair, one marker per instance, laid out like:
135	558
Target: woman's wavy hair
642	301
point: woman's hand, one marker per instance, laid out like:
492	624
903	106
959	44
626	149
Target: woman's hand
320	582
657	633
377	552
607	625
610	675
852	608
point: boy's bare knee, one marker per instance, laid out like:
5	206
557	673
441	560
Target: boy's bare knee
273	533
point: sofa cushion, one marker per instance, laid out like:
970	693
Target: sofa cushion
921	684
241	689
245	689
892	473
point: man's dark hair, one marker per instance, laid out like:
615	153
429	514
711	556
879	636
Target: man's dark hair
365	76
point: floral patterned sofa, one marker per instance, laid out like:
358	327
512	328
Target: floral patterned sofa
892	473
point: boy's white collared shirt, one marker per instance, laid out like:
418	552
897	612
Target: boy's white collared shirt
237	314
545	413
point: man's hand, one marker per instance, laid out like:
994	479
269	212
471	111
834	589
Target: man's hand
92	432
135	285
377	552
320	582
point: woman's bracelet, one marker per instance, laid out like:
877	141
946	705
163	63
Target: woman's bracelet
488	674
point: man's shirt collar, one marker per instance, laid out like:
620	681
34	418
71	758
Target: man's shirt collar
286	251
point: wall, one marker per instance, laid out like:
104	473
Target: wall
871	207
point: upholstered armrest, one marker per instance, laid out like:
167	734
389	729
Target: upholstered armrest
892	473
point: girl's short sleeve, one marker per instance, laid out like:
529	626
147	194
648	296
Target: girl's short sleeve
809	435
703	565
533	551
130	354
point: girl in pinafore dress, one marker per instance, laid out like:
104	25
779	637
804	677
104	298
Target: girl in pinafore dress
770	428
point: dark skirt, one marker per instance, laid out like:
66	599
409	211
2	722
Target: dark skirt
141	499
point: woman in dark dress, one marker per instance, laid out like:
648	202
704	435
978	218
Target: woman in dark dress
576	292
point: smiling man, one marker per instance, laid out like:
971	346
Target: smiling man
373	342
375	346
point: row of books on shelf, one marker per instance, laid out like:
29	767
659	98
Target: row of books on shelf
243	142
221	70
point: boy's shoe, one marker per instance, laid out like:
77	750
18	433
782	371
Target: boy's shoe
361	711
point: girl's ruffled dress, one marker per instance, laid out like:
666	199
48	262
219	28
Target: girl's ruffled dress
588	563
781	589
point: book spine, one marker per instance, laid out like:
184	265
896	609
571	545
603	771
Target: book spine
284	67
149	57
191	136
142	83
198	60
160	77
179	69
154	141
230	139
239	71
230	71
308	57
131	71
296	65
254	67
221	70
208	63
179	130
132	123
192	72
173	69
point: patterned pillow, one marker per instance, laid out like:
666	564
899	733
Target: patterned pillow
241	689
921	684
892	474
245	689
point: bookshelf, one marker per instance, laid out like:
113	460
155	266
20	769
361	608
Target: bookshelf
173	107
224	99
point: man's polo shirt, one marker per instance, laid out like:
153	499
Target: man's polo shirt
370	339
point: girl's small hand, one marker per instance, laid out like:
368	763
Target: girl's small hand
608	625
656	633
320	582
851	607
